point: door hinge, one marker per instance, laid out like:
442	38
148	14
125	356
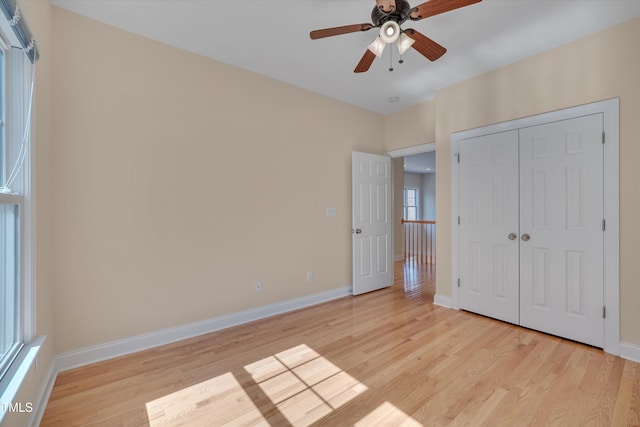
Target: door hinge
458	156
458	220
603	137
604	312
458	282
604	225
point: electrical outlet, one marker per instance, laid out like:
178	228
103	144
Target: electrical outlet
310	276
258	286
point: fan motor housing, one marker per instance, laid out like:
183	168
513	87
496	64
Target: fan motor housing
400	14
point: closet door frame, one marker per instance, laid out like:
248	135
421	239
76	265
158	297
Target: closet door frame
610	110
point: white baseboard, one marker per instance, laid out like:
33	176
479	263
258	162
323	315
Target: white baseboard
97	353
630	351
442	301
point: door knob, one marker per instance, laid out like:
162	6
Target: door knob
512	236
525	237
358	231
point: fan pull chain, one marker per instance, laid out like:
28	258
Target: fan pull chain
390	59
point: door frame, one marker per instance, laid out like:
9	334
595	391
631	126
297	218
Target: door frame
611	114
405	152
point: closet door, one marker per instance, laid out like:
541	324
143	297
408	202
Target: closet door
489	225
561	236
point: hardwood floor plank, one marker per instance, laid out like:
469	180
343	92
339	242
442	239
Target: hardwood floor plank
388	356
621	410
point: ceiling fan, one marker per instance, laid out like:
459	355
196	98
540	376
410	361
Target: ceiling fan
388	15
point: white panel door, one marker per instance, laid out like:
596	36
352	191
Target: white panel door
561	214
489	226
372	246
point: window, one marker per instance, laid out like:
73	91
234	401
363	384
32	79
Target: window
9	235
15	307
410	204
18	344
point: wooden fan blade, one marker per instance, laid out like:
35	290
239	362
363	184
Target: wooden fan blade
328	32
430	49
436	7
365	62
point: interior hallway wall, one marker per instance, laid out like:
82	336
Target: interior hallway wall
428	196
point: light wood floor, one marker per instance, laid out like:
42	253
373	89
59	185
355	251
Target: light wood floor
387	358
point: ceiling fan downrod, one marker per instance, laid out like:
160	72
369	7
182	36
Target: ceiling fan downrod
390	59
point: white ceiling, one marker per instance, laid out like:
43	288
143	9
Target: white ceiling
271	37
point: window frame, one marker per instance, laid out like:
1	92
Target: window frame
10	236
16	95
405	206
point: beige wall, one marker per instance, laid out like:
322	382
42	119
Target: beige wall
407	128
597	67
410	127
181	181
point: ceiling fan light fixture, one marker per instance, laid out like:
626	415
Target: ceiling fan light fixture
404	42
390	31
377	46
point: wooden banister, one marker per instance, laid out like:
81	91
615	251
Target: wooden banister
410	221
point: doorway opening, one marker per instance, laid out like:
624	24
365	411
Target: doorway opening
414	200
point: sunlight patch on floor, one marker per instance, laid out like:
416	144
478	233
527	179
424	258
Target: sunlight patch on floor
387	415
298	383
303	385
218	401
